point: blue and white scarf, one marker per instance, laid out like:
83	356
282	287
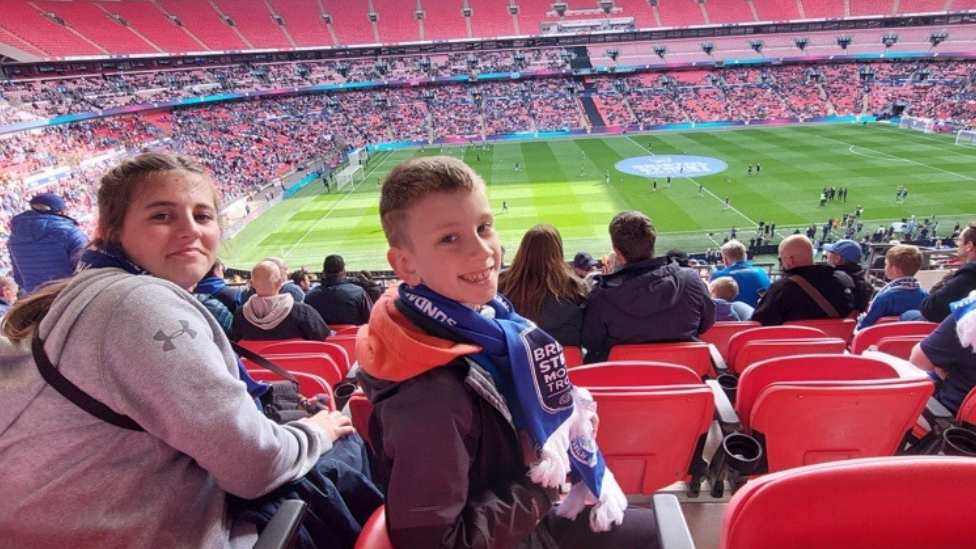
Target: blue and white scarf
529	369
111	255
904	283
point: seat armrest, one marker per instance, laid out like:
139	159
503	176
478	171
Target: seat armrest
672	530
282	531
724	412
936	413
717	361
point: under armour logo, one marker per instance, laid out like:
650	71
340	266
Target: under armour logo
168	339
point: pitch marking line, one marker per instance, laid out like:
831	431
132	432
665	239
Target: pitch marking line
721	200
336	205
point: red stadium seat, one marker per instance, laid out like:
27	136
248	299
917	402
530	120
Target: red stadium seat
695	355
805	368
870	335
573	356
309	385
767	333
375	534
833	327
894	503
757	351
652	437
653	421
967	410
360	408
632	373
720	333
344	329
301	346
348	343
817	408
258	345
900	347
321	365
886	320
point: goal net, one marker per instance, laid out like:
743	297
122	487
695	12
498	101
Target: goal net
926	125
358	157
350	175
966	137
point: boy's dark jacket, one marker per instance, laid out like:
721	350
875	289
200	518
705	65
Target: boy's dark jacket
447	450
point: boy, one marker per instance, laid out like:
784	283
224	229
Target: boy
903	293
454	467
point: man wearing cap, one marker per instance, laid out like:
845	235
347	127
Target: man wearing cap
845	255
805	291
585	267
44	243
751	280
338	299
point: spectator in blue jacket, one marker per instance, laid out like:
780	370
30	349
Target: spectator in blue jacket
750	279
903	293
44	242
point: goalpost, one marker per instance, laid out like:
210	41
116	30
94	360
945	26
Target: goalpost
926	125
351	174
966	137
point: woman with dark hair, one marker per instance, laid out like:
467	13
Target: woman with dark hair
126	332
542	287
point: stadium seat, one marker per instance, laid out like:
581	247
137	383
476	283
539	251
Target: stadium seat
347	342
695	355
833	327
632	373
309	385
375	534
769	333
573	356
870	335
757	351
653	422
344	329
360	409
720	333
894	503
321	365
258	345
301	346
886	320
814	408
900	346
967	410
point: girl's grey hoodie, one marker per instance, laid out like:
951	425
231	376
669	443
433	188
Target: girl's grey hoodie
149	350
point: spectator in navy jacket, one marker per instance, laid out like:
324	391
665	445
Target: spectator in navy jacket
337	299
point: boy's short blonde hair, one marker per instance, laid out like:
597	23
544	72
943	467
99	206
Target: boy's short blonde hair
905	258
724	288
412	181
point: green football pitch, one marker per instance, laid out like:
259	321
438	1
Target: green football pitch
563	182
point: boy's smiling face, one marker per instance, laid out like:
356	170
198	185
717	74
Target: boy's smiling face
451	246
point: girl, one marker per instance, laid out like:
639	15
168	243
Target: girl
126	332
541	286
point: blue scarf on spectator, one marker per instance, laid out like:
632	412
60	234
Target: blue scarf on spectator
529	369
964	312
111	255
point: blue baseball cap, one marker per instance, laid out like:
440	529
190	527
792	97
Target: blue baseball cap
47	202
848	249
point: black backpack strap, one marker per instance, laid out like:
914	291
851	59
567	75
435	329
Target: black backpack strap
263	362
71	391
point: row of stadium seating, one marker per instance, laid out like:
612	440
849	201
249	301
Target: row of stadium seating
783	90
50	29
